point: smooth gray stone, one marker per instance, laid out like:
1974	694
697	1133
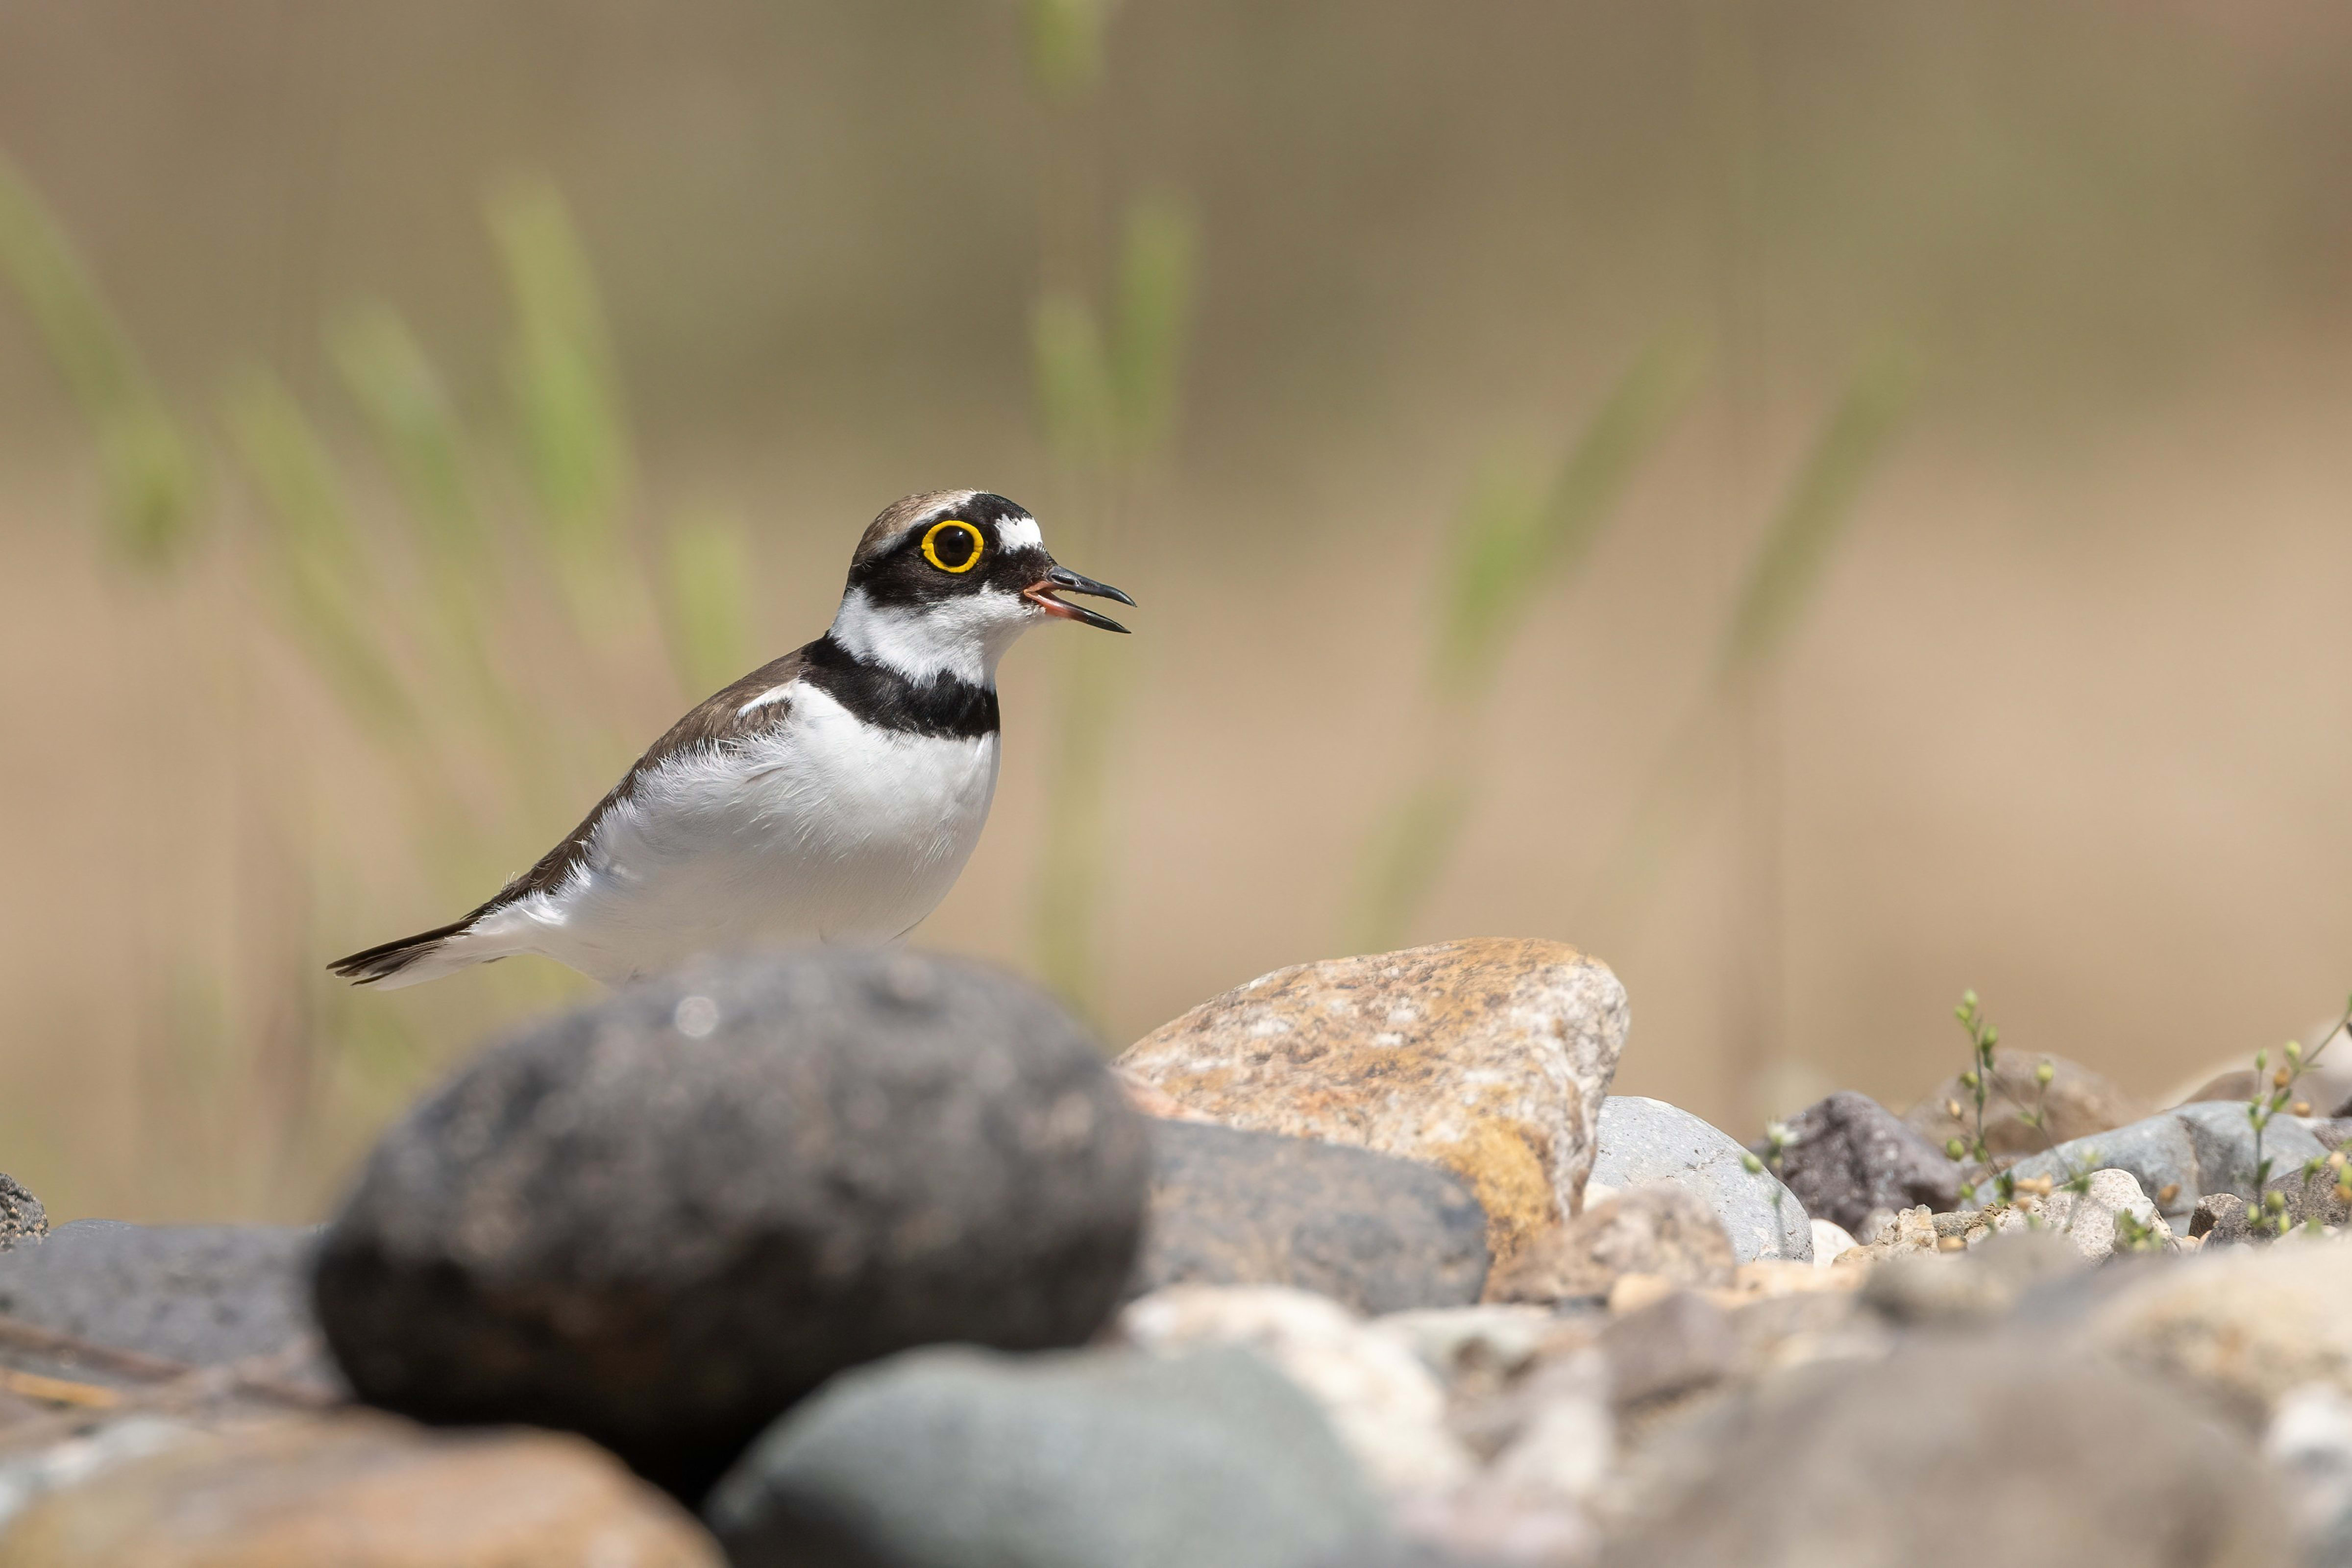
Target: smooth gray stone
2225	1147
2160	1152
953	1457
2204	1147
1642	1140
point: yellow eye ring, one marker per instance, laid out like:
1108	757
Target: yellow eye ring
931	547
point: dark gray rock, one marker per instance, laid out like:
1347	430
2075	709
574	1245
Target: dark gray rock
661	1219
2311	1201
1661	1228
1849	1155
1957	1452
1378	1233
1644	1141
2227	1218
197	1293
22	1218
951	1458
2220	1220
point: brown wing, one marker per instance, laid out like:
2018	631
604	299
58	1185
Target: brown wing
718	717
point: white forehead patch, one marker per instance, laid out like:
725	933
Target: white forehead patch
1021	533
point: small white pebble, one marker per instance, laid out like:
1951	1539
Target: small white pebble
695	1017
1830	1241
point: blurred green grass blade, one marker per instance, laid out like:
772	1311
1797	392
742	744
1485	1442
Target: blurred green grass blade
1506	554
1510	541
1158	279
705	604
387	374
312	544
1491	553
154	484
1640	408
1066	40
561	370
297	477
1815	512
1074	853
1076	398
1406	854
1807	527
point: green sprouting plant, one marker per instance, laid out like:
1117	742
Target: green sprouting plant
440	633
1776	1151
1108	378
1815	512
2134	1234
2274	1093
1106	404
1976	1079
1510	545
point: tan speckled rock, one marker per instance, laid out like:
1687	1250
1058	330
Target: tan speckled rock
1489	1057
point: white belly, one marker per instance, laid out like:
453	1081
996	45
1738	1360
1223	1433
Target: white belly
825	830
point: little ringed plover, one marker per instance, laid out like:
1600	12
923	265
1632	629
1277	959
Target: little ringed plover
832	796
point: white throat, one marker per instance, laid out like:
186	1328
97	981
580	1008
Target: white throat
961	638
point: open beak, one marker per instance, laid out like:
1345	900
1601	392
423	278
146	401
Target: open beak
1041	594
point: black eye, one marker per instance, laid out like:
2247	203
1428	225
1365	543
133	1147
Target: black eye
953	546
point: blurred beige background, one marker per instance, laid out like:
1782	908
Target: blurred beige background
2066	720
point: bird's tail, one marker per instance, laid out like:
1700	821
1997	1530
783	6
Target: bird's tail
428	955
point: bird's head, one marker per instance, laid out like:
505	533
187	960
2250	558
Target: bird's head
942	583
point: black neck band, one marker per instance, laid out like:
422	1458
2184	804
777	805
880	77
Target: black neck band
891	700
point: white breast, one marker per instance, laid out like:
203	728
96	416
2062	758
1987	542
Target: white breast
824	829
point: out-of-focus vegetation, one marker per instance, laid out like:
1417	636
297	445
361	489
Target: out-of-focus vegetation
531	532
1511	542
470	606
154	489
353	535
1783	576
1109	367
